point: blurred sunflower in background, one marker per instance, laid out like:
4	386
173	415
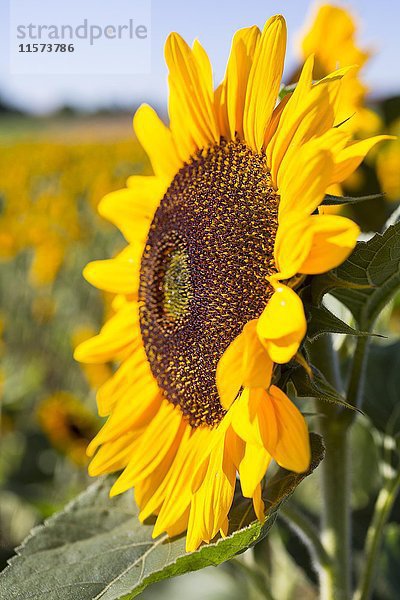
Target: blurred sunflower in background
68	424
207	309
388	165
331	37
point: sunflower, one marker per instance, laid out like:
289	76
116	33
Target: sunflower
207	309
331	37
68	424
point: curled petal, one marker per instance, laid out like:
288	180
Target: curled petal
282	325
292	449
314	245
347	161
245	363
270	421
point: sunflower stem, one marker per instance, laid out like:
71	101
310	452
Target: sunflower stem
383	507
335	580
335	577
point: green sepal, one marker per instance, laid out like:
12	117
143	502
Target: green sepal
331	200
316	387
324	284
322	321
286	89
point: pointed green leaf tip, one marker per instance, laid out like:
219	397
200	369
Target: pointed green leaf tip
316	387
323	321
96	548
330	200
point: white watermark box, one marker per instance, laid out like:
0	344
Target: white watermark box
90	37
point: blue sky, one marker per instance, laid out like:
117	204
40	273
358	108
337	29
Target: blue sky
213	22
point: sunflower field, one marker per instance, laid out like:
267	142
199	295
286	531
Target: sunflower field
199	334
49	230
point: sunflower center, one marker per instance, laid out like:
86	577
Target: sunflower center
176	285
204	271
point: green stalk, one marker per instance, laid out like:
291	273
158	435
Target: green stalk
335	578
383	507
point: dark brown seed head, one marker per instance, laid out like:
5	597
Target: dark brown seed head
204	271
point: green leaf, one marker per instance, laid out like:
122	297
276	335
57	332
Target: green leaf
367	280
382	386
323	321
316	387
331	200
324	284
97	548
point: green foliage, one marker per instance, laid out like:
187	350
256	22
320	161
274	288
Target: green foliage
322	321
315	385
97	548
367	280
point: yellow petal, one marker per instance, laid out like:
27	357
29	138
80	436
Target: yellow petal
333	240
203	63
303	185
224	528
352	156
181	122
252	468
119	275
161	437
252	418
149	488
114	455
244	363
278	143
315	245
221	109
237	73
264	81
179	526
129	416
192	91
157	141
155	503
212	501
122	382
275	120
234	446
132	209
308	114
120	332
178	492
258	504
272	421
292	448
282	325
